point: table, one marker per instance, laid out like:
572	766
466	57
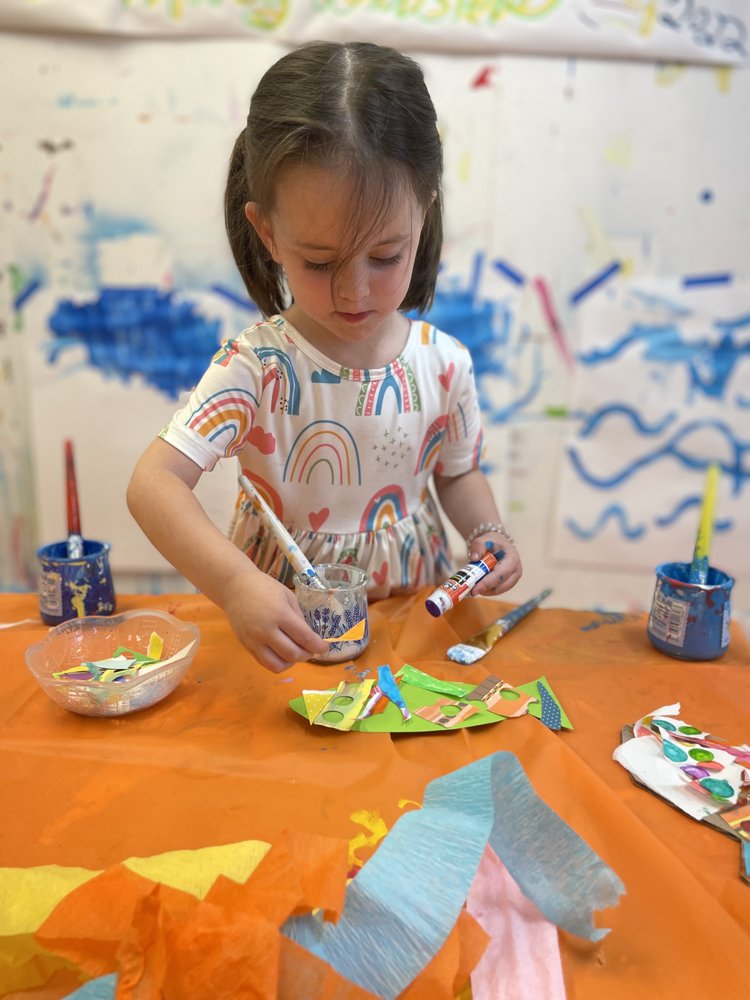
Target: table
224	759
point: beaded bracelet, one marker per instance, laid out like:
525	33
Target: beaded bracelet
485	529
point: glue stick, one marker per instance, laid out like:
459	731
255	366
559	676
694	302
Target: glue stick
460	585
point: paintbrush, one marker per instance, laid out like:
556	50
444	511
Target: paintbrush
298	560
480	644
699	565
75	540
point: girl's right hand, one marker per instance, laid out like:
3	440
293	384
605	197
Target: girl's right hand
267	620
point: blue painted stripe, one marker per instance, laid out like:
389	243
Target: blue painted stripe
510	272
695	280
588	287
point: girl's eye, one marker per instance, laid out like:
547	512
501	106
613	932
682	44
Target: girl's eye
386	261
312	265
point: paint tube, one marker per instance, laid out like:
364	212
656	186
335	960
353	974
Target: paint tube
460	585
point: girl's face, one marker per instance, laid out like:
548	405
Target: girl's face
354	319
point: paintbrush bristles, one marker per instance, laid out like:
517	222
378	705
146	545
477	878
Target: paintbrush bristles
699	565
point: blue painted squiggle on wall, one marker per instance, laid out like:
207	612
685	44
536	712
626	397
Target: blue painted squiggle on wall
738	469
666	520
591	423
709	365
615	512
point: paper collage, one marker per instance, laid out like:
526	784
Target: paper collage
434	705
697	772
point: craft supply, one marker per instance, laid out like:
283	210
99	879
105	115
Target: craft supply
501	698
389	687
690	620
75	541
338	613
74	588
699	565
460	585
284	540
480	644
344	705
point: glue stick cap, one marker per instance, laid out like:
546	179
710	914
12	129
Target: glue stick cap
433	608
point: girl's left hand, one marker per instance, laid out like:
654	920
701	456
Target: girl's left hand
505	574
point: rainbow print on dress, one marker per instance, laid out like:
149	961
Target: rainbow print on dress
387	507
397	381
328	446
225	418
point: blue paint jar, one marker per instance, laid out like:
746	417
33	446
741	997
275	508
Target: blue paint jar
75	588
690	620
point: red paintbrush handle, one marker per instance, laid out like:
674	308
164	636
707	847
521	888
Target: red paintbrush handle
74	517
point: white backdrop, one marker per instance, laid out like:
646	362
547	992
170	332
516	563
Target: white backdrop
595	264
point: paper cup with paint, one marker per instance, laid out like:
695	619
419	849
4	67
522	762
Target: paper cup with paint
338	613
690	620
75	588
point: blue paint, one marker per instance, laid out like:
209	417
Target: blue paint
737	469
709	364
614	512
486	329
593	283
690	620
692	281
26	293
510	272
620	409
130	332
72	588
667	520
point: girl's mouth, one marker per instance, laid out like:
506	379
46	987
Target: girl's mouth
354	317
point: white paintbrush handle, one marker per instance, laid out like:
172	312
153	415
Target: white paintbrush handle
286	543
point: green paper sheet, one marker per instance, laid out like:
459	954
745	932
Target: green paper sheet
391	721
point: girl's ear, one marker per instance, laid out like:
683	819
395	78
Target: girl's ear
262	226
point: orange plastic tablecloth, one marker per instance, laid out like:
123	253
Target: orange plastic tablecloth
224	759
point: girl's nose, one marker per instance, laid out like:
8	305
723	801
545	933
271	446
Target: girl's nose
353	282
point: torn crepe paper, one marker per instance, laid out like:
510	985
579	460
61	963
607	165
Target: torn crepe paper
385	718
394	919
697	774
522	959
102	988
166	942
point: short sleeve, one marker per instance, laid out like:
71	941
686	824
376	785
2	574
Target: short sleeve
219	414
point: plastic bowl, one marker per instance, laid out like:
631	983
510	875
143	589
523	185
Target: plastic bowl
97	638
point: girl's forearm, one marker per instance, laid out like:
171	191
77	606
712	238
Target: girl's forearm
175	523
467	501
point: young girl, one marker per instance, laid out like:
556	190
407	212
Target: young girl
341	410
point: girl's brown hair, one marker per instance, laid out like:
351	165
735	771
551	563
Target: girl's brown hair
356	107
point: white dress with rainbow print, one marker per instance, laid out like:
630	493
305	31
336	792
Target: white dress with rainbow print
344	457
